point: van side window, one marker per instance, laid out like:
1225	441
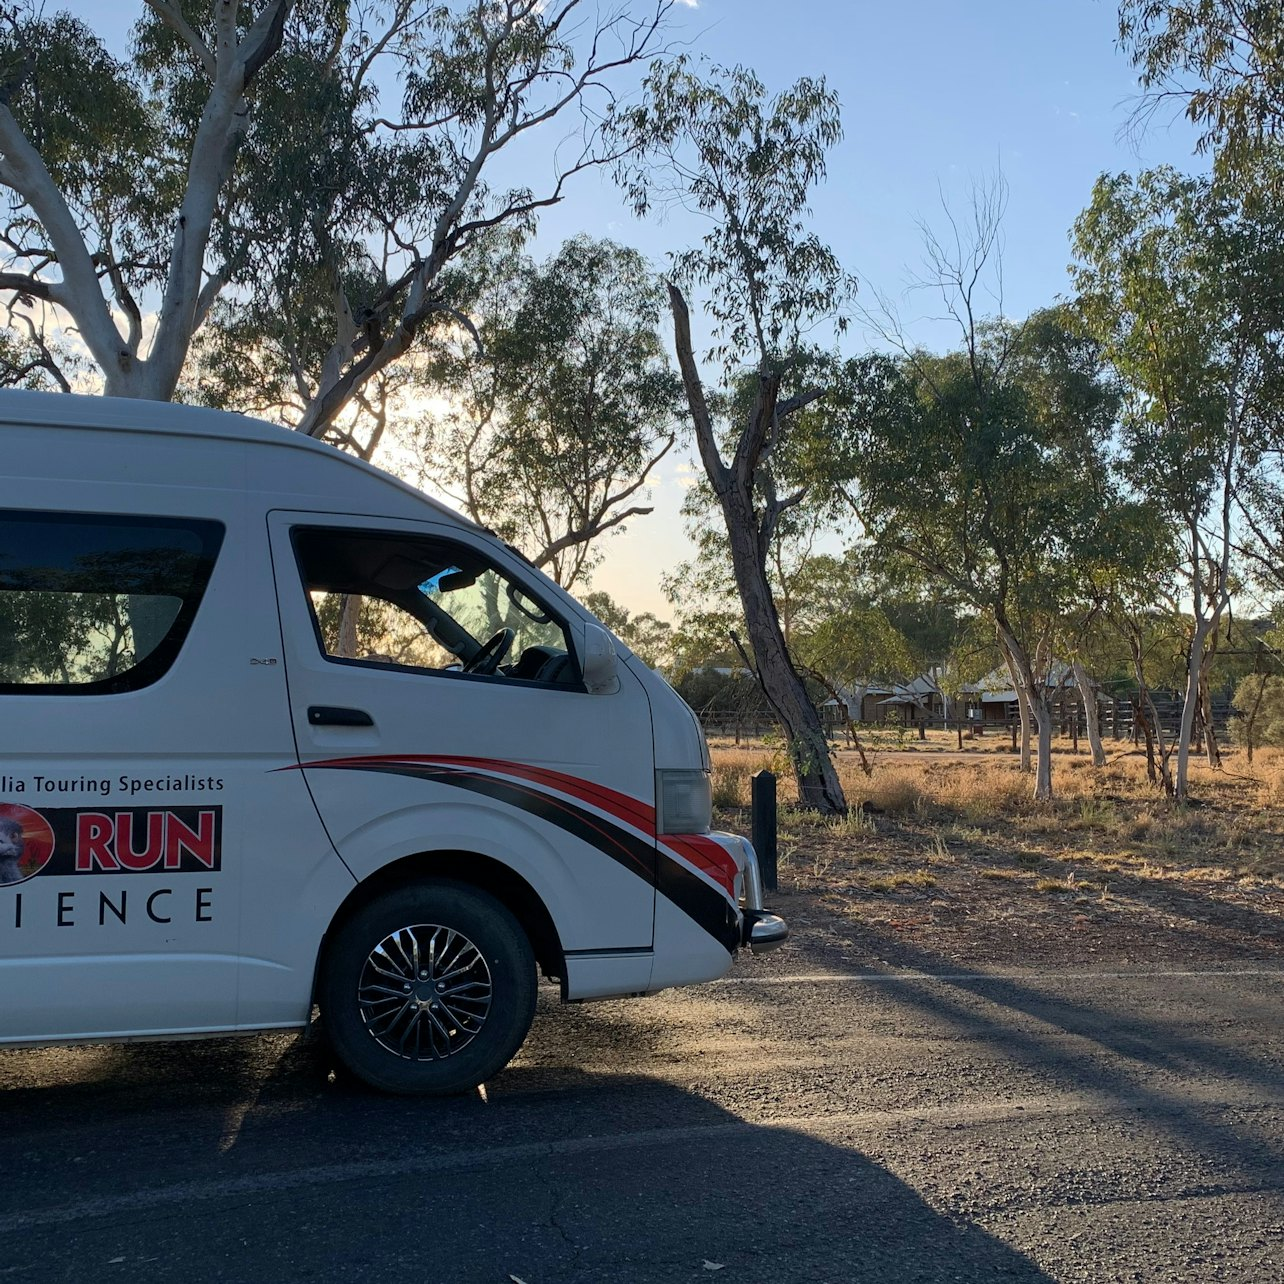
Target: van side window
91	603
413	602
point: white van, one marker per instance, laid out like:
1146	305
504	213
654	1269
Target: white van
281	730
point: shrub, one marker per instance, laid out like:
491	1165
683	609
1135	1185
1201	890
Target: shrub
1260	702
730	785
895	791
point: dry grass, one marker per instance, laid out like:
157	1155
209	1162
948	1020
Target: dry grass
1268	766
730	784
897	790
956	838
1235	821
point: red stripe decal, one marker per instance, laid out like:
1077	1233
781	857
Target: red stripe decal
707	856
630	810
700	852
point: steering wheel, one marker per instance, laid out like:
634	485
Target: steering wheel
493	650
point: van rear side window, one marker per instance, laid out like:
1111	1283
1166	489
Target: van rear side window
91	604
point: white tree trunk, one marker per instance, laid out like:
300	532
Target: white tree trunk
230	62
1025	761
1218	599
1043	776
1036	713
1211	748
1091	713
1191	702
349	616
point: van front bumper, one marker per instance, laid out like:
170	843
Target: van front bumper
761	930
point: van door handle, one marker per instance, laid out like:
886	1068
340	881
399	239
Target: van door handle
325	715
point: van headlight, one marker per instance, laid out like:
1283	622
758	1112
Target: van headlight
685	802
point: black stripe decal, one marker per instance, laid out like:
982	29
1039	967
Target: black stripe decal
694	897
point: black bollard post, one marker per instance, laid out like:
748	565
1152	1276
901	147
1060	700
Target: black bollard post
764	826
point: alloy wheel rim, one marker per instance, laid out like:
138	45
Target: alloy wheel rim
425	992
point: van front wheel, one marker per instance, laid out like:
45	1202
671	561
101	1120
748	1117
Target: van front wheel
429	989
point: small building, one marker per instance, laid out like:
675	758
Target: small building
860	703
914	702
993	698
917	701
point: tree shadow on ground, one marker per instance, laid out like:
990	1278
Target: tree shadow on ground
1147	1061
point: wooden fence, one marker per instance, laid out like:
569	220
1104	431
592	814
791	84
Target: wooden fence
1068	720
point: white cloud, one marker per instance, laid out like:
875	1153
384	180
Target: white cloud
686	474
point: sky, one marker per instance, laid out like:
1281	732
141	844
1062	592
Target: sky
936	95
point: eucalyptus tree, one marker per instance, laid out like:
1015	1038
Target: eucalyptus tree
1260	698
1155	637
1222	60
799	572
714	140
547	416
1182	280
1115	618
1259	695
838	627
300	172
850	645
986	467
35	358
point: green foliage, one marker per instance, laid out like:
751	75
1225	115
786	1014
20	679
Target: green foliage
866	615
580	360
987	467
1182	280
549	430
1259	699
1161	638
371	175
1184	285
1234	47
725	690
857	644
702	639
31	360
711	138
311	166
85	112
117	137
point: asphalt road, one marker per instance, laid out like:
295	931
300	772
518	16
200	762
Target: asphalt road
788	1125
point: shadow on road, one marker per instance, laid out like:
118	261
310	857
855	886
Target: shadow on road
553	1177
1149	1060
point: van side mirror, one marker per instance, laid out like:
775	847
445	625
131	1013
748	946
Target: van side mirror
599	664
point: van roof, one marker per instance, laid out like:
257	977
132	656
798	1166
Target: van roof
75	410
169	418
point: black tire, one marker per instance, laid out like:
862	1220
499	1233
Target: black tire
388	1025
